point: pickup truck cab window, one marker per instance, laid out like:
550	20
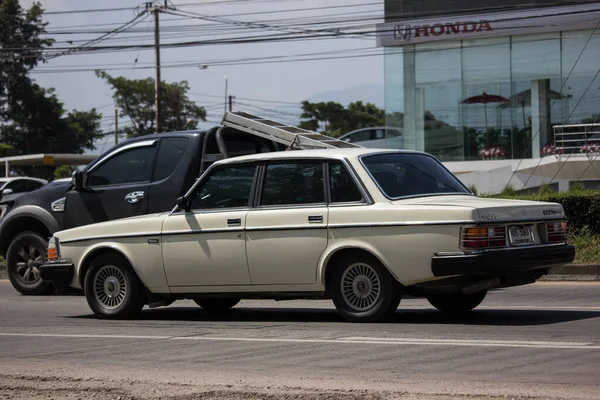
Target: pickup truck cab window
293	183
130	166
228	187
169	154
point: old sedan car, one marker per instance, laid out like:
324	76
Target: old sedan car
361	227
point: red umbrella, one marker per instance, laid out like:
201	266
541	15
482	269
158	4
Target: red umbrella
484	99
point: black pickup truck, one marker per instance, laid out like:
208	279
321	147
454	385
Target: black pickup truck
139	176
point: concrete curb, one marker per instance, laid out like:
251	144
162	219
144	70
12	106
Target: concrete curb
574	272
570	272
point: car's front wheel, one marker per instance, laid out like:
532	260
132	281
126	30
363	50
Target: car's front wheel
24	257
112	289
216	305
363	290
456	302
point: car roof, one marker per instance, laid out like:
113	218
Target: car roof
336	153
14	178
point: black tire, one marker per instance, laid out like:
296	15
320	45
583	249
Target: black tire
456	303
26	253
358	273
120	294
216	305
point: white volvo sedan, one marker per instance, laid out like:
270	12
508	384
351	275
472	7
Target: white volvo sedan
361	227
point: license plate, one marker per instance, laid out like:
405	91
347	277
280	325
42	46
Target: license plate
520	235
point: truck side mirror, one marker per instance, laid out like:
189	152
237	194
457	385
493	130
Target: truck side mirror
183	204
77	180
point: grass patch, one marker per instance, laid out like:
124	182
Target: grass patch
587	247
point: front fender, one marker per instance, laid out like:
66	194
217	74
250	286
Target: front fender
31	212
145	259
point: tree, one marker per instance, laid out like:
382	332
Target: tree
135	100
21	49
333	119
41	125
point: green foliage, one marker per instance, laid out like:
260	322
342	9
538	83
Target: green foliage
587	246
333	119
508	191
63	171
581	207
135	100
577	187
473	189
545	189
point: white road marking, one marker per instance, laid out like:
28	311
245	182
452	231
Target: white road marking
343	340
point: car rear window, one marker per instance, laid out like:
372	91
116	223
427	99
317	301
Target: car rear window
407	174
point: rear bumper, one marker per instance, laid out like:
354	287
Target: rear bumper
59	272
503	260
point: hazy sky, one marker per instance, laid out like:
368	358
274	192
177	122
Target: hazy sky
287	82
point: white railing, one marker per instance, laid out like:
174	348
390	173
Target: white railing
576	138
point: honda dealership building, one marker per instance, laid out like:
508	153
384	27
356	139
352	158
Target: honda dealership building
507	90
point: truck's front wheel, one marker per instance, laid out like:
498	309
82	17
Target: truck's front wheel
25	255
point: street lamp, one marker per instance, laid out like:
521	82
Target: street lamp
222	76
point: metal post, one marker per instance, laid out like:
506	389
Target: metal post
222	76
230	103
157	93
116	126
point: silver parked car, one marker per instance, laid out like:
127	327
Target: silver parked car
386	137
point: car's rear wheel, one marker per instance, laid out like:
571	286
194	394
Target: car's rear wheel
24	257
362	289
216	305
456	302
112	289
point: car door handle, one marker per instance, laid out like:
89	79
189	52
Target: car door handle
315	219
234	221
134	197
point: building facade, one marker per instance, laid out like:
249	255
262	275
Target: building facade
508	81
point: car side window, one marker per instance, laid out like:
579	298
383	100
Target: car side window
170	153
32	185
17	186
228	187
361	136
342	186
293	183
131	166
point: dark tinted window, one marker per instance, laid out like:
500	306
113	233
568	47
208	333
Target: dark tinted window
224	188
299	183
131	166
32	185
401	175
170	153
343	188
18	186
361	136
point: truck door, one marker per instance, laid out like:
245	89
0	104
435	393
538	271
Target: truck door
115	187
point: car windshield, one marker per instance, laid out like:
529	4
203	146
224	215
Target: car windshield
410	174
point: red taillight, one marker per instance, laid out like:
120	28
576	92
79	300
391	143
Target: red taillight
480	238
556	232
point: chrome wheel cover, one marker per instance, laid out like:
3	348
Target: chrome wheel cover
110	287
29	260
360	286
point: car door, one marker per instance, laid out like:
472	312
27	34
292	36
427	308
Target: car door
115	187
287	230
206	246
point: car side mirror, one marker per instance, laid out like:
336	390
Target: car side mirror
182	203
77	180
7	191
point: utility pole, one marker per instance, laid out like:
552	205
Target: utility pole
155	9
116	126
231	103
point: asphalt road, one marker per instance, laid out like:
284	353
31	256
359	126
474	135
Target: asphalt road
536	341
